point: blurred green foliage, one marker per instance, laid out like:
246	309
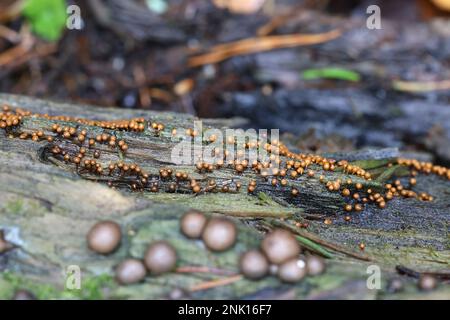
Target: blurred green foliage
331	73
47	17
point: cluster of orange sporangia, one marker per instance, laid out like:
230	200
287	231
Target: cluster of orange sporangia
292	166
424	167
12	117
158	127
281	167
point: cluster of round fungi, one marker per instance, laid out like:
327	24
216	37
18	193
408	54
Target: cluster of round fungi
280	255
355	193
280	169
10	117
160	257
218	234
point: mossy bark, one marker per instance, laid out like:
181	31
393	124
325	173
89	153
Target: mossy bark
47	207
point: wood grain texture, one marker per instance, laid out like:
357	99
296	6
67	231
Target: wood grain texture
46	209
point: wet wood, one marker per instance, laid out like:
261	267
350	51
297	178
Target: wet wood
47	207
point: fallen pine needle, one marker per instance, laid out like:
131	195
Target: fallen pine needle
216	283
15	53
316	239
12	11
311	245
280	20
9	34
202	269
420	86
416	274
259	44
255	214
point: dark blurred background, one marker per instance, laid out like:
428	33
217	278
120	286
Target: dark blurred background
387	87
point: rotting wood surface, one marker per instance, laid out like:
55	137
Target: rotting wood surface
46	209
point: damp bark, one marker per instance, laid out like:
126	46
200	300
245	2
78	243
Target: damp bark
47	208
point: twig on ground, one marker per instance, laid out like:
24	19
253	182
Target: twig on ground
416	274
12	11
320	241
202	269
9	34
420	86
255	214
215	283
259	44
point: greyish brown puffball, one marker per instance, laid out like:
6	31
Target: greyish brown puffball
395	285
427	282
219	234
24	295
178	294
279	246
192	224
160	257
273	269
104	237
130	271
315	265
253	264
292	270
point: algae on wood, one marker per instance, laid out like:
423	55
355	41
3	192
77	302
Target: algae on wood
46	210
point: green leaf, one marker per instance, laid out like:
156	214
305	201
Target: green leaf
389	172
47	17
331	73
371	163
263	197
314	247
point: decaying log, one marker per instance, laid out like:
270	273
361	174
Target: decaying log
47	207
374	111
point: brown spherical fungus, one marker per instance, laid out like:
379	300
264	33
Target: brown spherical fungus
160	257
273	269
427	282
130	271
292	270
254	264
24	295
219	234
192	224
315	265
279	246
395	285
104	237
178	294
